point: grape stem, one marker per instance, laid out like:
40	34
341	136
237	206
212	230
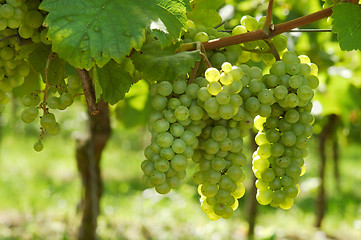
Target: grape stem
204	57
267	22
254	50
47	85
7	37
89	91
273	49
261	34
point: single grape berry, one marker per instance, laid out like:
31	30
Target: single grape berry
48	121
38	146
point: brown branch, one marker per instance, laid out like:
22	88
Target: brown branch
261	34
89	91
301	21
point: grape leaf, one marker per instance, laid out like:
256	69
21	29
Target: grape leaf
347	24
164	65
205	12
115	80
85	33
39	58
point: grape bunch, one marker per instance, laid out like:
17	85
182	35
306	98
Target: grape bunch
219	156
174	125
12	70
25	17
48	122
283	134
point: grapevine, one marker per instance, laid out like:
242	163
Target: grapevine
245	77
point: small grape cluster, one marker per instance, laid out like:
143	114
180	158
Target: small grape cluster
25	17
284	132
12	70
174	125
48	121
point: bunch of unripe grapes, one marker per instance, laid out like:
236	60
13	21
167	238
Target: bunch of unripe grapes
12	70
48	122
219	156
283	134
174	125
25	17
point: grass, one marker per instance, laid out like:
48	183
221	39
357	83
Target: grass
39	193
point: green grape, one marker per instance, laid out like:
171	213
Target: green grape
212	75
66	99
192	90
48	121
7	53
165	140
29	114
74	82
53	102
188	137
290	57
264	197
165	88
249	22
25	31
33	19
217	60
179	163
278	68
157	178
181	113
201	37
179	146
226	111
161	125
239	30
6	11
252	104
280	42
211	105
179	86
38	146
55	130
159	102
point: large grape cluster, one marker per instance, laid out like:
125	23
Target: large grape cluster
219	156
284	133
175	125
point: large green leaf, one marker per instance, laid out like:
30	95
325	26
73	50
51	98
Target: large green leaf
347	24
205	12
86	32
114	80
163	65
39	59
